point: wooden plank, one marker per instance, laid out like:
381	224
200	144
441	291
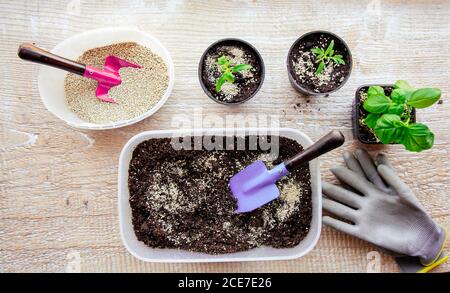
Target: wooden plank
58	184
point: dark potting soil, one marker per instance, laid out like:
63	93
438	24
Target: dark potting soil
245	84
181	199
364	133
303	64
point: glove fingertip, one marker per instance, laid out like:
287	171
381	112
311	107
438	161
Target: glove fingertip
336	170
383	170
381	159
361	152
348	155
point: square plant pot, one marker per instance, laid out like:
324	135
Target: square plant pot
361	131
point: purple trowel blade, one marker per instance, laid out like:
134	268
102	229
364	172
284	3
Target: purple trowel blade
255	186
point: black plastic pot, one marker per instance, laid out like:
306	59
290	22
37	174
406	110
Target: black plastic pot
231	41
361	132
338	43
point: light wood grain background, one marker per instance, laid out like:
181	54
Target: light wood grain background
58	185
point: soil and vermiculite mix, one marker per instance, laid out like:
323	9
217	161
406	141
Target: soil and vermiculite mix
181	199
140	90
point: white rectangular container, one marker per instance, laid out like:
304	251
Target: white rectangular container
146	253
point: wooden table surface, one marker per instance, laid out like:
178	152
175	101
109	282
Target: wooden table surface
58	185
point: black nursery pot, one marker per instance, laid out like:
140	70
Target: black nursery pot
300	53
247	87
360	130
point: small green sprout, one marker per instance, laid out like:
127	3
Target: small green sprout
324	56
227	71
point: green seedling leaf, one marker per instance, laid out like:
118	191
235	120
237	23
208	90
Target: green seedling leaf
425	97
377	103
241	67
396	109
398	96
386	128
223	60
404	85
320	67
375	90
228	77
317	51
417	137
329	50
371	120
338	59
219	83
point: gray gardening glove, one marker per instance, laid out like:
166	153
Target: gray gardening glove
384	210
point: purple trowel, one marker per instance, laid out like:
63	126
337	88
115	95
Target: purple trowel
255	186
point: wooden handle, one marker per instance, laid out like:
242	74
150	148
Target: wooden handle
32	53
327	143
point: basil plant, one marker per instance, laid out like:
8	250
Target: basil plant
390	116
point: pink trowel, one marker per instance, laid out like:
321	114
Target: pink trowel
254	186
107	77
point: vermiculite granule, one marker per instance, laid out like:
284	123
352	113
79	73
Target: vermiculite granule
140	90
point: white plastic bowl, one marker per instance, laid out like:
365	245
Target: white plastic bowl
51	80
146	253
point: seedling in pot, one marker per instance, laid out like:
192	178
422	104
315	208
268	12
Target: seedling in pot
231	71
326	56
224	64
319	63
390	115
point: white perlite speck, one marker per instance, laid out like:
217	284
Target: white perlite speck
140	90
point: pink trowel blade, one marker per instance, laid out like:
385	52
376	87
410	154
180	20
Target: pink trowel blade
109	76
113	64
102	93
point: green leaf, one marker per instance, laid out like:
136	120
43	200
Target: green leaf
417	137
404	85
375	90
398	96
223	60
320	68
377	103
317	51
386	128
425	97
229	77
396	109
371	120
219	82
330	48
241	67
337	60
